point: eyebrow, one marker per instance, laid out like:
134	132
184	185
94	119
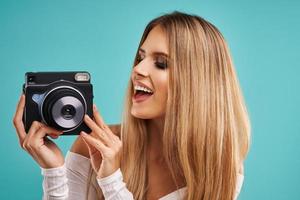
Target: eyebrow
156	53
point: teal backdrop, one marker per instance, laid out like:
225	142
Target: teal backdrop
102	37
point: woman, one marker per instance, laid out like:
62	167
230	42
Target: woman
185	131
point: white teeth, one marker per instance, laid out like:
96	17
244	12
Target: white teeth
140	88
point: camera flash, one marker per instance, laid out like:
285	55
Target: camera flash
82	77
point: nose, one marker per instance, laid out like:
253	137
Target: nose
140	70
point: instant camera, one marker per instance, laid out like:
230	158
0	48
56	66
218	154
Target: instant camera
59	100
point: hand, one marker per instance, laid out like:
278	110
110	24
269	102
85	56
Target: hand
102	144
42	150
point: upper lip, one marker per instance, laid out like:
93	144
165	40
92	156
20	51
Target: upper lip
137	83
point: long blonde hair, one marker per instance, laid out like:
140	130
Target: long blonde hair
207	130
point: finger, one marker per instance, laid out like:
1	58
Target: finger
94	142
100	122
20	108
18	123
110	134
88	146
35	126
98	119
35	139
46	130
92	149
53	136
26	145
98	130
38	131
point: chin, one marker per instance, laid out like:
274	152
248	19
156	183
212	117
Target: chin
140	115
144	114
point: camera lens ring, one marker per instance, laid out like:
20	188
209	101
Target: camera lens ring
60	119
72	89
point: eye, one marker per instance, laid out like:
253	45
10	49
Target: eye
161	62
139	58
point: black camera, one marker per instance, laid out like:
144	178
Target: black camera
59	100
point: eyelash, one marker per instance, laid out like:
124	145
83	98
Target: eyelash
159	65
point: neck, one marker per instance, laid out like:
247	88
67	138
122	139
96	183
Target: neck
155	129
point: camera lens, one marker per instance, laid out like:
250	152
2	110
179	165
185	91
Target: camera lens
68	112
63	108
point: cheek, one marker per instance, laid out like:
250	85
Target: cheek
161	96
162	86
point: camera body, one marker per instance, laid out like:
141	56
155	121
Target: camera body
59	100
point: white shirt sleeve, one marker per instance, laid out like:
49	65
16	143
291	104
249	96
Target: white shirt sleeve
68	181
55	185
78	168
114	188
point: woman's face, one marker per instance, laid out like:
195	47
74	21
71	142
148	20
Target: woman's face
150	77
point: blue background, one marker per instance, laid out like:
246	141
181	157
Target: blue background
102	37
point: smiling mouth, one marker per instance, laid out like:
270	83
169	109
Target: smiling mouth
141	96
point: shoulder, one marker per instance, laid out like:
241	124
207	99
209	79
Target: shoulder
79	146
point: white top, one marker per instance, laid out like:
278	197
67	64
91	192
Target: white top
70	182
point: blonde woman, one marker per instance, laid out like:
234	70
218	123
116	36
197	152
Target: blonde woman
184	134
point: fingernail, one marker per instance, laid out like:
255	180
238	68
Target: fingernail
94	107
83	133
